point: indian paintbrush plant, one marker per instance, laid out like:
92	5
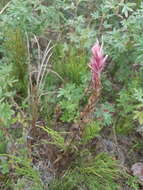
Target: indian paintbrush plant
97	63
77	132
74	148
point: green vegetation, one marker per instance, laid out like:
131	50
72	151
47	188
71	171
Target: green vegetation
71	118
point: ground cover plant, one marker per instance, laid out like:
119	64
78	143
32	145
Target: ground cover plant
71	95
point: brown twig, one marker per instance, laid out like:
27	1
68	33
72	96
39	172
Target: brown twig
101	23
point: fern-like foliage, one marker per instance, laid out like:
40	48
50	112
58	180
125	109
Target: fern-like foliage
57	138
91	131
100	172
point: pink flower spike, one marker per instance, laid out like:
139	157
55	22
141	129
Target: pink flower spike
97	63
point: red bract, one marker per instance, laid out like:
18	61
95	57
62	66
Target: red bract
97	63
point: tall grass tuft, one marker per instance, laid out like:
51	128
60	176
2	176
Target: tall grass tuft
70	64
16	50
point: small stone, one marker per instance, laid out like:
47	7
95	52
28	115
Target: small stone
137	170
